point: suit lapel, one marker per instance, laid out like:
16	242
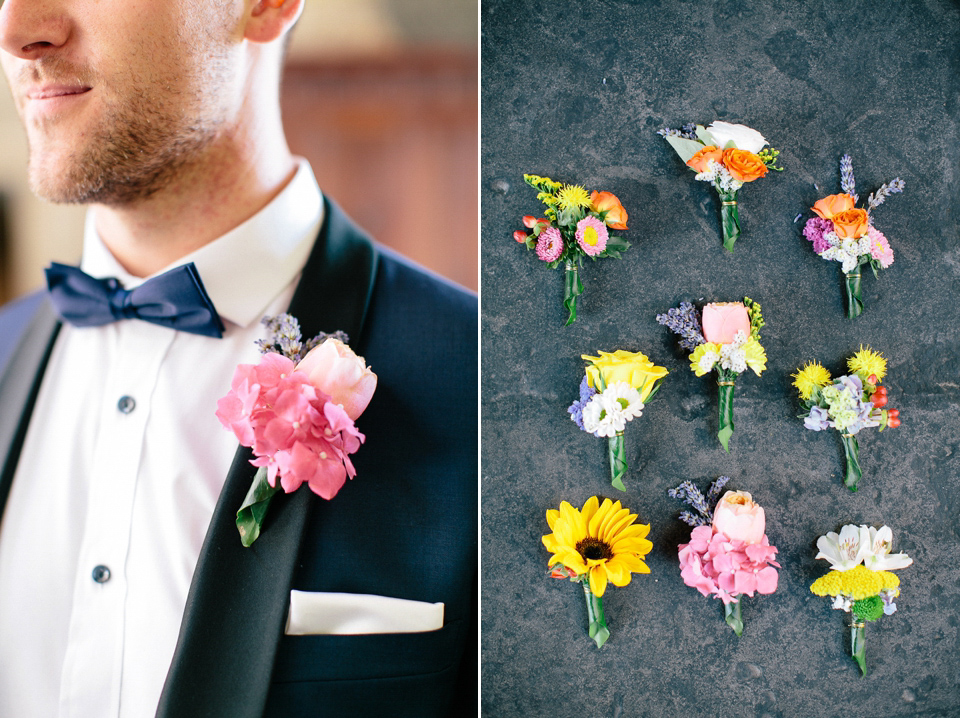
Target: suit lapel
237	605
19	386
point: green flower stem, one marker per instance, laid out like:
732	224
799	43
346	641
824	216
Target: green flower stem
858	645
725	390
852	450
730	218
597	626
618	461
854	300
731	614
572	288
254	509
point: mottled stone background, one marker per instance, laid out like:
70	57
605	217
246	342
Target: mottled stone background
576	91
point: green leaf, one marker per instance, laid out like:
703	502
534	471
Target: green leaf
254	508
705	137
684	147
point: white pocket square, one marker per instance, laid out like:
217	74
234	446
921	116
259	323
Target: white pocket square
344	614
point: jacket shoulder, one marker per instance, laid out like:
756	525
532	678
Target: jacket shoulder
14	319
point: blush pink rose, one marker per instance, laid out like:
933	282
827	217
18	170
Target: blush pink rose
335	370
722	320
739	518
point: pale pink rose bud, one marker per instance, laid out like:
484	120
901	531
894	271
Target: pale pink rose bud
722	320
738	517
335	370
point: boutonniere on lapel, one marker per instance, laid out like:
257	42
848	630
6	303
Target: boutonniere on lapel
296	410
727	156
728	343
843	232
575	225
848	403
615	389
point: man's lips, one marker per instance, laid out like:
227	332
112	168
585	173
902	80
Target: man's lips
47	92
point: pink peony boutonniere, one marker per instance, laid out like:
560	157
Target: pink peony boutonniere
296	410
729	554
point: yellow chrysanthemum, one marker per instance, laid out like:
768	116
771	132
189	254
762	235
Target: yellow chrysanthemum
866	362
756	356
811	376
859	583
573	196
704	357
601	540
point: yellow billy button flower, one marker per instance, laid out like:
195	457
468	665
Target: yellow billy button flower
632	367
600	540
812	375
866	363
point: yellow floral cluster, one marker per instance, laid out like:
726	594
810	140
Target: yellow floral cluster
632	367
859	582
867	362
812	376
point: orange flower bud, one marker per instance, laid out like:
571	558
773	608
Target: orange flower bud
744	166
616	217
851	223
699	161
827	207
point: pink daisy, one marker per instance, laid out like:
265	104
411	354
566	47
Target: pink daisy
592	235
880	247
550	244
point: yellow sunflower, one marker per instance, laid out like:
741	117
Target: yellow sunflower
600	539
866	362
811	376
573	196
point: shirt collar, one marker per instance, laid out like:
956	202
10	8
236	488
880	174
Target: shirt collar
245	269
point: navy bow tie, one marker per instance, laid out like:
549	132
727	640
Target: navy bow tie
175	299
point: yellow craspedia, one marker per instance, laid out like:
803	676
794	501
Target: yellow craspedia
866	362
811	376
573	196
859	583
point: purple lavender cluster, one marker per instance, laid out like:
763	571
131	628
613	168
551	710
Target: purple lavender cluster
847	183
576	408
687	132
879	197
814	230
285	338
689	494
685	321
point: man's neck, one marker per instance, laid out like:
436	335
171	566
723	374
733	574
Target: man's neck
217	193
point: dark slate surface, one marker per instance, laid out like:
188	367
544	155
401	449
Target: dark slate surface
576	91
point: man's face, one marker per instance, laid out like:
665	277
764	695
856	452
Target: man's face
118	96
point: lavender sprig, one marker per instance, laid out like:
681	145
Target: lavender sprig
689	494
692	519
685	322
688	131
713	495
847	182
879	197
285	337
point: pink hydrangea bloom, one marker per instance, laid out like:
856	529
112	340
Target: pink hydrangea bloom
592	235
550	244
295	430
713	564
880	247
814	230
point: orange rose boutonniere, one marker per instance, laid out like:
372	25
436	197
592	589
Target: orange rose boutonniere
727	156
844	233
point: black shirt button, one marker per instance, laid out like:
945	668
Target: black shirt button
101	574
126	404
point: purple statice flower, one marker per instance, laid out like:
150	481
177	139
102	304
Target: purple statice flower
847	182
684	321
576	408
817	419
814	230
879	197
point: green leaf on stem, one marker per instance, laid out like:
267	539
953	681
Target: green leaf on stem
254	508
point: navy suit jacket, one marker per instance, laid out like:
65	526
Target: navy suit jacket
405	527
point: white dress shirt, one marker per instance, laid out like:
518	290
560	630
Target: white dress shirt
121	469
